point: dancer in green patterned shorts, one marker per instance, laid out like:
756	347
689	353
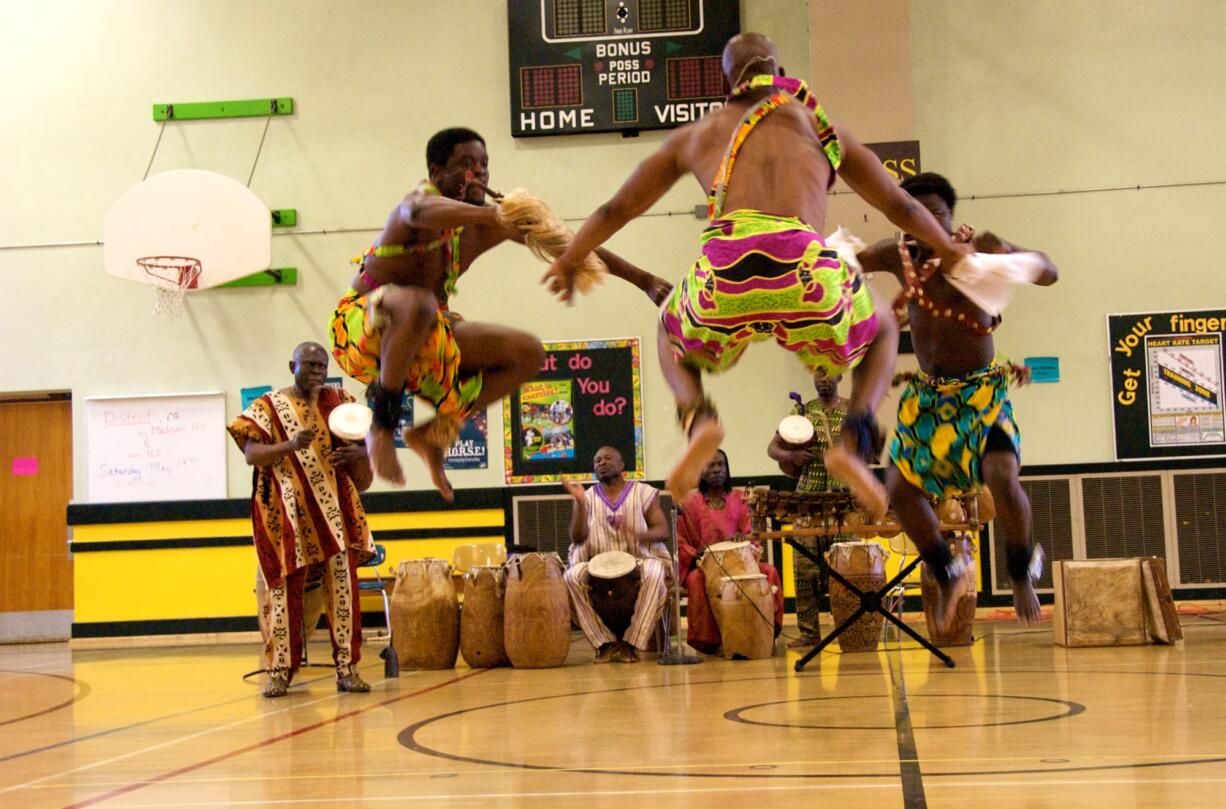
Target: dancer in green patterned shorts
956	431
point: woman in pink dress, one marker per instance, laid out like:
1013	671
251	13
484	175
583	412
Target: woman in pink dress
713	513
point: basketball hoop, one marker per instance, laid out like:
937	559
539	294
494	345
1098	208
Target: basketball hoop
171	277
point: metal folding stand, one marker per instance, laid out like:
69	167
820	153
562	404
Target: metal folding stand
870	601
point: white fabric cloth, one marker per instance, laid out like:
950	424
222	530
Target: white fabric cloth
987	279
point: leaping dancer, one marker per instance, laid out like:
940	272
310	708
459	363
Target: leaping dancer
765	270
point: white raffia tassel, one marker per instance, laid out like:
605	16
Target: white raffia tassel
847	245
546	235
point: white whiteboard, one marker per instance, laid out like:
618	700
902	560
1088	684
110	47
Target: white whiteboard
170	447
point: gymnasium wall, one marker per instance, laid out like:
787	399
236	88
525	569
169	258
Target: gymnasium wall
1009	98
371	81
1041	97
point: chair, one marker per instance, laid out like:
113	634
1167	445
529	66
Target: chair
376	584
465	557
901	545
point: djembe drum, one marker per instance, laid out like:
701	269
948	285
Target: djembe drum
722	559
481	630
425	615
613	585
985	505
862	564
745	613
960	629
795	432
536	613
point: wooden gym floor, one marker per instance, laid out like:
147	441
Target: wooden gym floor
1019	722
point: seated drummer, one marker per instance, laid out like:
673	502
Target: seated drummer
714	513
618	515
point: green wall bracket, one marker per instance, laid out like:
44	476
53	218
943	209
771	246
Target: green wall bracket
248	108
272	277
284	217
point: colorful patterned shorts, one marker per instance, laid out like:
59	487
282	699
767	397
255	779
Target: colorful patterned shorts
943	427
435	374
763	276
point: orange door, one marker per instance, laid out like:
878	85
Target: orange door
35	486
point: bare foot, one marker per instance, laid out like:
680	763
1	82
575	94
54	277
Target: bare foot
381	447
945	611
1026	603
708	434
1025	600
845	465
802	642
605	653
424	441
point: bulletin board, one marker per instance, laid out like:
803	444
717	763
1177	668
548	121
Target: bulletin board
588	395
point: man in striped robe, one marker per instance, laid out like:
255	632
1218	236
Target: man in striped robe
306	514
618	515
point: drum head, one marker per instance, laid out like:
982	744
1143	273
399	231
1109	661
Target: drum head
488	570
727	546
611	565
350	421
796	430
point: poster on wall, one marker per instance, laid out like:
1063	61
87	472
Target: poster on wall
471	448
1166	384
406	420
587	396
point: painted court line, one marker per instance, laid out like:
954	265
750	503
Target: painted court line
908	758
103	763
478	796
586	793
159	746
166	776
151	721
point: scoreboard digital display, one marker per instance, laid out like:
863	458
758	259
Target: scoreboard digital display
616	65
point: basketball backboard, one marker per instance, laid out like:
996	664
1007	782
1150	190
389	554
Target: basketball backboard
185	223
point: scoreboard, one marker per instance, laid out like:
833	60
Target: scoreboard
616	65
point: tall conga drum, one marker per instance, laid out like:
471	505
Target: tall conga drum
613	585
536	614
425	615
862	564
723	559
745	614
960	630
481	643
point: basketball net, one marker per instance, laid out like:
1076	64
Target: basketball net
170	277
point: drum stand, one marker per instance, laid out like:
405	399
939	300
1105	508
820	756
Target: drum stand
870	601
832	510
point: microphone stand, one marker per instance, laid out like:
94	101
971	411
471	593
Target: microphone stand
669	657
